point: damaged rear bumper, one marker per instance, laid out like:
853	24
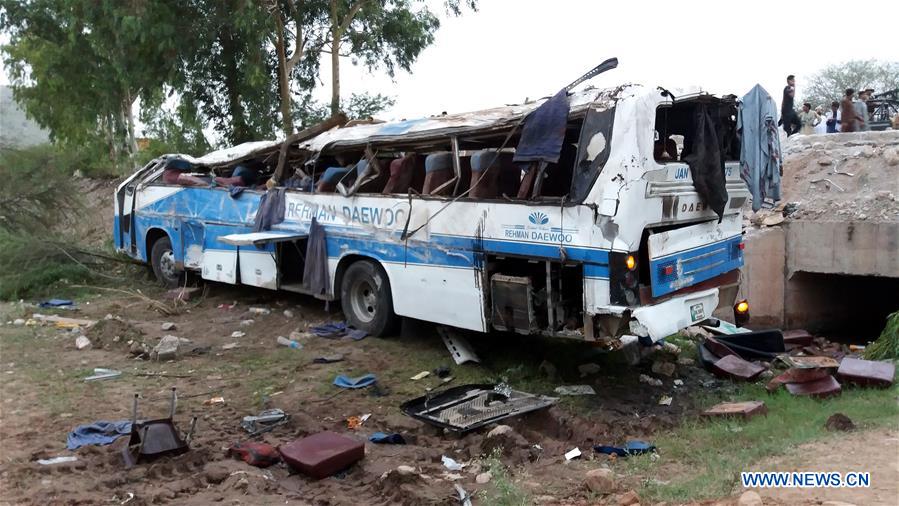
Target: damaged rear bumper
665	318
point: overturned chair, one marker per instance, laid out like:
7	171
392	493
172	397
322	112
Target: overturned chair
152	439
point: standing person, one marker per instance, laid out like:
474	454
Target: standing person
788	116
821	127
833	118
809	119
847	110
861	110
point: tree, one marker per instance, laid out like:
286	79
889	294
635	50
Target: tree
79	66
359	106
830	83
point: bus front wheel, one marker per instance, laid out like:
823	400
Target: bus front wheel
366	299
162	258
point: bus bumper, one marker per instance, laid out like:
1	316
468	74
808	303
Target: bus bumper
665	318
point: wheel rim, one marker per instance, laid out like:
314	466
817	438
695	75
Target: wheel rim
364	300
167	265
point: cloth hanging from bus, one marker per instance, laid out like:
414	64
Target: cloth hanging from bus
544	131
706	163
271	210
760	156
315	270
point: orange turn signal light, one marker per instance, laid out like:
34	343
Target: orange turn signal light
630	262
742	307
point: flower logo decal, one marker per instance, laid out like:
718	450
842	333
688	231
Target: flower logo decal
538	218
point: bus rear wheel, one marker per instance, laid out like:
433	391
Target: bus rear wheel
366	299
162	259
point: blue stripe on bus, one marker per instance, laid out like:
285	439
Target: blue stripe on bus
697	265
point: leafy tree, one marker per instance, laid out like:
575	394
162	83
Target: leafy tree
79	66
359	106
830	83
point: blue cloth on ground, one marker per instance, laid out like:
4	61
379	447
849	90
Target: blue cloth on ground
57	303
544	131
354	383
391	439
632	447
338	329
102	432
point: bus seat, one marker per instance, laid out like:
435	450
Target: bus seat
498	165
401	171
438	170
333	175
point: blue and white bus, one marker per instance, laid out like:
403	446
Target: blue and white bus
434	219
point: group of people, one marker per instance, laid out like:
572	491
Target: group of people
848	115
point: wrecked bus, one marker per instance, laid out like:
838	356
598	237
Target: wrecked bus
439	219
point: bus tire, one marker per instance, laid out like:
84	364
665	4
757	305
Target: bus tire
366	299
162	259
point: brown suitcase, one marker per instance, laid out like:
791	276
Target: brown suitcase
323	454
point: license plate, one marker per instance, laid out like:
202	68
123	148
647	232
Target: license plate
697	313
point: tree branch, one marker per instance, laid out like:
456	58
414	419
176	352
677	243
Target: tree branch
350	16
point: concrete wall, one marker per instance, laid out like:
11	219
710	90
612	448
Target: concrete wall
858	248
763	275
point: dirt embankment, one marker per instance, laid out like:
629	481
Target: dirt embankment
852	176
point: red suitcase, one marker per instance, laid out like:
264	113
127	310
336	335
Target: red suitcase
323	454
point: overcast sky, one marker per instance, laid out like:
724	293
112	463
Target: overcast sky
512	50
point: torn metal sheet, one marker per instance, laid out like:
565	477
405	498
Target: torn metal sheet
258	238
465	408
666	318
458	346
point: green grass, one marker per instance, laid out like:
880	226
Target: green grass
702	459
503	490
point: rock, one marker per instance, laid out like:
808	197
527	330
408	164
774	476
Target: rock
696	332
405	470
288	313
600	481
237	334
825	161
767	375
19	322
215	473
246	323
82	343
664	368
671	348
260	310
483	478
839	421
749	498
168	326
629	498
499	430
167	349
687	361
649	380
588	369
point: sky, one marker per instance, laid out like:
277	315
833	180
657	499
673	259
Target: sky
512	50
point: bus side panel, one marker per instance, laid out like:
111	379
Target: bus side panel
193	237
258	266
220	259
450	296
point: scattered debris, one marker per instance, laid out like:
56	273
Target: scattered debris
336	330
18	322
822	388
812	362
839	422
60	320
354	383
632	447
866	372
259	310
288	313
665	400
267	419
575	390
649	380
247	323
101	432
458	346
678	383
229	346
354	422
483	478
283	341
255	454
102	374
573	453
237	334
212	401
442	372
328	359
57	303
588	369
736	368
797	337
421	375
467	407
664	368
464	497
168	326
797	375
183	294
745	410
323	454
57	460
154	438
82	343
451	464
383	438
